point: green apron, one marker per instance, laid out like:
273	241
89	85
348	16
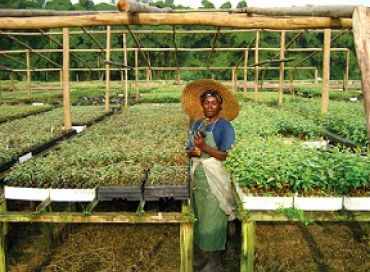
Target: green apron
211	221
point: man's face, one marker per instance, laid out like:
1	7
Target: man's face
211	106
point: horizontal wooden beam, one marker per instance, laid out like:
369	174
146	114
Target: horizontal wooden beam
171	49
217	19
146	31
165	69
98	217
271	216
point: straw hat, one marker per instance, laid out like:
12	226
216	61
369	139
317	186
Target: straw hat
191	99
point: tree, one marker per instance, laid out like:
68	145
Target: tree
207	5
226	5
242	4
59	5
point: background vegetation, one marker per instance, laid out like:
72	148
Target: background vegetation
196	59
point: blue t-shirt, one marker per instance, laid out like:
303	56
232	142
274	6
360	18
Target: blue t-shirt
223	132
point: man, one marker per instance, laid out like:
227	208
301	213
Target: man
212	135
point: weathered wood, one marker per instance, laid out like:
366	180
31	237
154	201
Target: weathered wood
132	6
247	250
186	241
28	61
326	73
337	11
281	72
341	216
194	18
43	206
124	44
107	68
291	81
361	31
137	90
346	71
245	71
98	217
3	232
256	60
66	93
43	12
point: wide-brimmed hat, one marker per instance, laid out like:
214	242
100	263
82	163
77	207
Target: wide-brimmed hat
191	99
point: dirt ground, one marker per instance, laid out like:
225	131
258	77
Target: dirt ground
279	247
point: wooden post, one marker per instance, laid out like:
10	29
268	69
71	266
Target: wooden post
291	81
256	60
66	94
361	31
282	66
235	80
245	85
107	69
12	86
178	78
326	73
28	60
126	71
186	242
61	80
346	72
148	78
247	250
3	232
316	76
137	91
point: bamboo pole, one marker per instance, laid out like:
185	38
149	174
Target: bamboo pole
137	91
131	6
12	85
346	71
245	84
147	78
232	70
282	65
291	83
247	250
193	18
28	60
107	68
316	76
3	232
153	31
66	93
361	19
337	11
126	71
186	242
61	80
326	73
170	49
256	60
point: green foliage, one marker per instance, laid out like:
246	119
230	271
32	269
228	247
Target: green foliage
226	5
242	4
207	4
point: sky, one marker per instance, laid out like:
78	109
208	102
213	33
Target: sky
267	3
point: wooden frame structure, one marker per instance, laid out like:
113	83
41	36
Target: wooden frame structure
238	20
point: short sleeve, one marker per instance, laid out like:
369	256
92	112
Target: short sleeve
227	137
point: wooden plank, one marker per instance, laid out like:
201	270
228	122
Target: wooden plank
98	217
28	60
326	73
66	93
216	19
346	71
361	31
342	216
